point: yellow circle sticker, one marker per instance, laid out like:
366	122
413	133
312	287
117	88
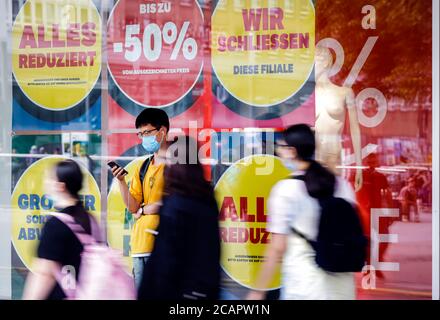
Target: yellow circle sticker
119	220
263	51
31	206
56	51
242	193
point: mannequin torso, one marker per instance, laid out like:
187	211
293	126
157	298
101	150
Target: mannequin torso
331	104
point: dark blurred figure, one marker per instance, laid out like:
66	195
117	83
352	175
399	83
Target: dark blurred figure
408	199
185	263
375	193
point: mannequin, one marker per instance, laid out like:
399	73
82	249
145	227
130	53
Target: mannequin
331	103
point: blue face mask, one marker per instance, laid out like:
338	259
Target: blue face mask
150	144
290	165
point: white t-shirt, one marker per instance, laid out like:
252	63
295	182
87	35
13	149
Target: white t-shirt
290	205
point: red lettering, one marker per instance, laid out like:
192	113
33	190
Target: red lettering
27	38
274	41
230	40
241	43
222	43
32	61
261	217
251	19
284	42
60	57
304	40
82	59
223	234
232	235
89	34
41	60
293	39
42	42
254	235
265	238
56	42
244	211
243	235
228	210
91	55
74	59
276	18
73	39
51	60
265	42
22	61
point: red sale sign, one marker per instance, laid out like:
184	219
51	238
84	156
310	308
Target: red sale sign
155	56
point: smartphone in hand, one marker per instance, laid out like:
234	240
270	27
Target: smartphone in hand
113	164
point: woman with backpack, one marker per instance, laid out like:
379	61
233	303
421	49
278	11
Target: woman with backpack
185	262
294	221
59	250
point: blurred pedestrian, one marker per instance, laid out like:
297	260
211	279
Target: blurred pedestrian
59	247
375	193
185	263
294	204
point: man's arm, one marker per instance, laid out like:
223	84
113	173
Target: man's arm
41	282
274	255
130	202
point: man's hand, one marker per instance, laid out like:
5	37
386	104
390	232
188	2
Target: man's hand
118	173
148	209
138	214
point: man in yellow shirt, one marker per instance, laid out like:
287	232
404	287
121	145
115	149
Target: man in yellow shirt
143	195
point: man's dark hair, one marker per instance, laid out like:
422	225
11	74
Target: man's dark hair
153	116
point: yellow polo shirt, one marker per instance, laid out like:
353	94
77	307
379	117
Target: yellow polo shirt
142	242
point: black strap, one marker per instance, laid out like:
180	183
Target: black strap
301	235
143	173
300	177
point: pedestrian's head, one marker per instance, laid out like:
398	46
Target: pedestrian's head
153	125
297	149
64	181
297	143
184	173
372	161
412	182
